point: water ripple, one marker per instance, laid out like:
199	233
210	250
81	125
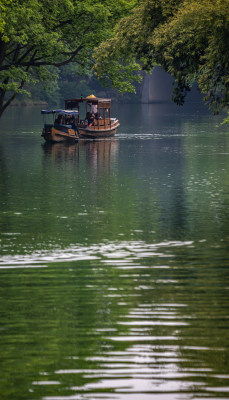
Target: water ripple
119	253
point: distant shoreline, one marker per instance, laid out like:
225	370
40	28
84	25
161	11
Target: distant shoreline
25	103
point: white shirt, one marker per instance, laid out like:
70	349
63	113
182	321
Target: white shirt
94	108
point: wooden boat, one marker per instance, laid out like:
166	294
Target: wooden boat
103	125
96	124
62	127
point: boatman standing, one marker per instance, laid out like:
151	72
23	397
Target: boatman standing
94	108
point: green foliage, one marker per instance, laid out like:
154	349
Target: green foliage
115	73
194	45
39	36
130	48
3	11
189	39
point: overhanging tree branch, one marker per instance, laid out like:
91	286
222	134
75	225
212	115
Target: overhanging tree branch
38	62
12	97
36	38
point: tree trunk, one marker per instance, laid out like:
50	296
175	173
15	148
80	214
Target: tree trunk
5	103
2	97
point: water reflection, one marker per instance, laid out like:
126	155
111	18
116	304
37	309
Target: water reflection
97	154
61	152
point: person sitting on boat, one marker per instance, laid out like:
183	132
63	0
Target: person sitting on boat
88	116
57	120
64	120
97	116
91	120
73	123
69	120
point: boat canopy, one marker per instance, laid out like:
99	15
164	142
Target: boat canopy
75	103
62	112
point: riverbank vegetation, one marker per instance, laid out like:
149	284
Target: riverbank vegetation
69	85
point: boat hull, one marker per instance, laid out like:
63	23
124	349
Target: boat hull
55	135
98	133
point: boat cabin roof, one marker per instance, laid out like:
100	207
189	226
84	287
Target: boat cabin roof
101	102
62	112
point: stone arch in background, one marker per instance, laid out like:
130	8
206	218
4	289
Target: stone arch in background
157	88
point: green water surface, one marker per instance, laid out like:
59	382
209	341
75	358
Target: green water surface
114	259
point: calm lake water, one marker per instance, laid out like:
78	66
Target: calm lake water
114	260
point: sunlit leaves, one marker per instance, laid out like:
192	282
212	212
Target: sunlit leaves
3	14
131	45
189	39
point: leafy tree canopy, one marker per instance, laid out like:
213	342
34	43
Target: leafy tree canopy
189	39
3	5
39	36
